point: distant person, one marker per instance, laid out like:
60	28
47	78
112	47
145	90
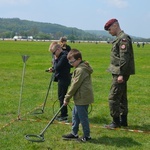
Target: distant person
82	93
61	69
143	44
138	44
121	67
64	45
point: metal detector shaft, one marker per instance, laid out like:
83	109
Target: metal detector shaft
24	58
50	83
51	121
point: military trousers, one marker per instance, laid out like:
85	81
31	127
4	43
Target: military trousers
118	102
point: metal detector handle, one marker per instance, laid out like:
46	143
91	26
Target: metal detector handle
51	121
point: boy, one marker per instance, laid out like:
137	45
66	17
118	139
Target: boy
82	93
62	74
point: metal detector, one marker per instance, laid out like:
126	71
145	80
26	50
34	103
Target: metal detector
40	137
41	111
24	58
55	106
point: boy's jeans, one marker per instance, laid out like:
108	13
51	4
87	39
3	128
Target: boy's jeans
80	115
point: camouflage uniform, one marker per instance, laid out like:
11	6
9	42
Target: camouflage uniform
122	63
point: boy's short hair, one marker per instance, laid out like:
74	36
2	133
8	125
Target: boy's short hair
76	54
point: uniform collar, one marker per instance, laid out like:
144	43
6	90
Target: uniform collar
121	32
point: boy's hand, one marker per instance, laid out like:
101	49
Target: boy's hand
65	103
49	70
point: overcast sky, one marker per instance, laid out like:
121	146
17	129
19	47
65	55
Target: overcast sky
133	15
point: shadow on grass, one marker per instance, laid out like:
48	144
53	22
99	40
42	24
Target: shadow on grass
99	120
104	120
116	141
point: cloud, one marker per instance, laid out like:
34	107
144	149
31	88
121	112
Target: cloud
118	3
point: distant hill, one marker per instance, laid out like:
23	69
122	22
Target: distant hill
9	27
16	26
99	32
102	34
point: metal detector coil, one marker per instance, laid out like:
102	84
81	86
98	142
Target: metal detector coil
40	137
35	138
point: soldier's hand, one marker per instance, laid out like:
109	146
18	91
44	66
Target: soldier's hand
120	79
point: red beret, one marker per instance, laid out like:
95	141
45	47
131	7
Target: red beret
109	23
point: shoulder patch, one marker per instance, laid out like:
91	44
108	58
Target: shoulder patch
124	40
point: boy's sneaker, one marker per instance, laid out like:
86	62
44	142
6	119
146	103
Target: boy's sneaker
70	137
62	118
84	139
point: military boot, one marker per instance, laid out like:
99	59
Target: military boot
114	124
123	121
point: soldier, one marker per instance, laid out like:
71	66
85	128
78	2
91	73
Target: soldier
121	67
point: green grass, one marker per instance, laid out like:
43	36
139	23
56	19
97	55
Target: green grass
35	87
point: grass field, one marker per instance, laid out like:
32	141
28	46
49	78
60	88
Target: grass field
36	80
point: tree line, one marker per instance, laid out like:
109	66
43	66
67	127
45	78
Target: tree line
47	31
10	27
